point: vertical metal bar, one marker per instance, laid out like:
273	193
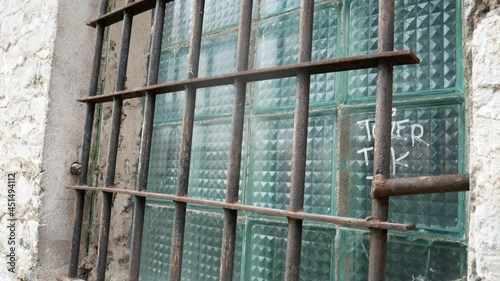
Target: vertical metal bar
382	150
187	135
147	134
301	116
107	200
238	117
86	141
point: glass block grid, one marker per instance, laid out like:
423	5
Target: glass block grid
408	258
266	251
209	160
426	140
202	245
271	158
427	27
278	45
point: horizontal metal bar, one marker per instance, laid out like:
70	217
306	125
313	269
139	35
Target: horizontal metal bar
253	209
133	9
316	67
420	185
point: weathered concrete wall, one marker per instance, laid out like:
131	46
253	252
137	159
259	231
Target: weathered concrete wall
27	34
71	67
484	225
128	149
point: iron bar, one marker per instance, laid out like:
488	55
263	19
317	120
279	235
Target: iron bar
145	147
237	125
133	9
86	141
252	209
186	142
382	147
421	185
107	200
316	67
299	149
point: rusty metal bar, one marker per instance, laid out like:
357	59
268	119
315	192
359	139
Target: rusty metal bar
299	149
134	8
86	141
316	67
145	148
420	185
253	209
186	142
382	147
107	200
237	125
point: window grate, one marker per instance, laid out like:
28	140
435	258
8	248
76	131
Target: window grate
382	186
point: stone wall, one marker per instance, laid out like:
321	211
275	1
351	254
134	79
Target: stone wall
484	224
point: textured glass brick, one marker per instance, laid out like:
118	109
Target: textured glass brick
278	45
408	258
271	155
426	140
220	14
274	7
266	252
427	27
156	243
177	28
209	159
202	245
164	160
173	67
217	56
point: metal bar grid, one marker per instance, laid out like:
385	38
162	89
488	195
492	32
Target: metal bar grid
86	141
253	209
316	67
382	186
237	125
382	146
107	200
145	146
186	143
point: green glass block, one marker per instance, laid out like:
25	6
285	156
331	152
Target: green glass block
173	67
156	243
271	158
408	258
178	17
209	161
274	7
202	245
278	45
220	14
430	28
426	140
266	252
217	56
164	160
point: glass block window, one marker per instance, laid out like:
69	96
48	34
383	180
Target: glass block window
428	138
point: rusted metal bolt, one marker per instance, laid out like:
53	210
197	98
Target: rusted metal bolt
75	169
